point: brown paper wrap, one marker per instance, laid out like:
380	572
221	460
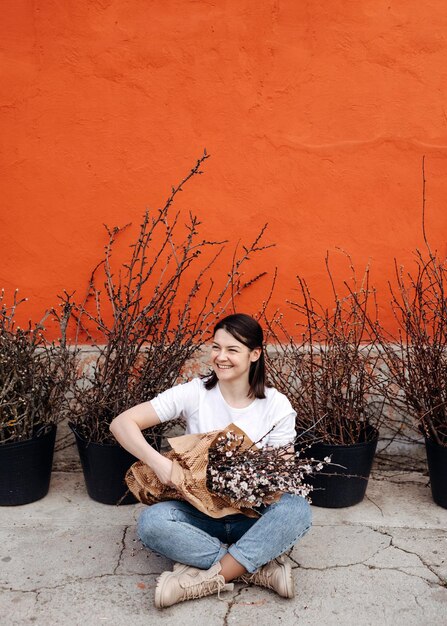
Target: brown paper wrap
189	456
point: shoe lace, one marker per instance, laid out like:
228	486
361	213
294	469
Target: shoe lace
263	579
205	588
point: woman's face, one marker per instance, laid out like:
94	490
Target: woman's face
230	358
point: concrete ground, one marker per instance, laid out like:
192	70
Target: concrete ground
68	560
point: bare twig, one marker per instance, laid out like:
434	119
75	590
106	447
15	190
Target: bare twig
35	373
149	315
330	371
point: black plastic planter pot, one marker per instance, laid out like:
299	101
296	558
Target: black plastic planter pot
25	468
337	487
437	468
105	466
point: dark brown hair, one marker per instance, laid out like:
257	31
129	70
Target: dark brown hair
248	331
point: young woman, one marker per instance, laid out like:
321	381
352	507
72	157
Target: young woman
210	553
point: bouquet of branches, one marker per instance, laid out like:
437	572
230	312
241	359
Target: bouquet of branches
256	476
224	472
145	318
35	374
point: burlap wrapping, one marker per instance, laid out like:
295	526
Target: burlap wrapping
189	456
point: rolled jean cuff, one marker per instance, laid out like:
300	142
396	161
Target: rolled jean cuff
236	554
223	550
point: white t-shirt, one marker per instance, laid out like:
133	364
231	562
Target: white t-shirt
205	411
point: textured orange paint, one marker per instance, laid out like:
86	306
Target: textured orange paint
316	115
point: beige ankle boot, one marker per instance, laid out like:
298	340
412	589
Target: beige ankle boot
276	575
187	583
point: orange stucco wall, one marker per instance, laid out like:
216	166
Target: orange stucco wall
316	114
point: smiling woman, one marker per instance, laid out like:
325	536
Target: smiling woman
210	553
237	359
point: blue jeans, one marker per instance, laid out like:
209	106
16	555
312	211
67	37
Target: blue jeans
180	532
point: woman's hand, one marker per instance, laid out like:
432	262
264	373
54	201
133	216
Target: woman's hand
163	469
127	429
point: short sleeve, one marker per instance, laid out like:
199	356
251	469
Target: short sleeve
177	401
284	431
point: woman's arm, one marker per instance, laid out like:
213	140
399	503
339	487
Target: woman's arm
127	427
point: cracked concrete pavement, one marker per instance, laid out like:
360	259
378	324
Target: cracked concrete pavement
68	560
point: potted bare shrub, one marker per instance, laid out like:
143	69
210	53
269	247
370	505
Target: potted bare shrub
415	358
143	320
35	376
330	371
